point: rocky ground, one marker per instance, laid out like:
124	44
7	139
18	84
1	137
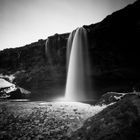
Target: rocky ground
43	120
39	120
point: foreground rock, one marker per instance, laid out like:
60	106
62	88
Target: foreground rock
120	121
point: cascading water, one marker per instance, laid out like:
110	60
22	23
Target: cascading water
78	83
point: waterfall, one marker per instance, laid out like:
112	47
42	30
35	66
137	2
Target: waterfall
78	83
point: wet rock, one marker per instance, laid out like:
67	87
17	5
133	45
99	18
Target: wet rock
110	97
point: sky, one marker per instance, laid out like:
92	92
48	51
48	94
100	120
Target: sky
25	21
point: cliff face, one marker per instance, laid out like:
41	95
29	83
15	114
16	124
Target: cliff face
56	49
114	53
37	67
34	54
22	58
116	39
114	49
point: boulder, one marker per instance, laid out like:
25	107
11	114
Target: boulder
119	121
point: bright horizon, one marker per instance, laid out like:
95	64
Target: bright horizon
27	21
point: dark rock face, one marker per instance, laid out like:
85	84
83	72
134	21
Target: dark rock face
56	49
34	55
120	121
23	58
115	50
